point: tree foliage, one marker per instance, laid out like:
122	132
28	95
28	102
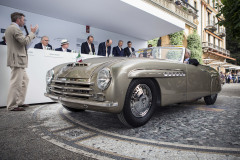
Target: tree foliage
195	45
233	46
231	13
153	42
176	38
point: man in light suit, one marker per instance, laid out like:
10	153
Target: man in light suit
88	47
43	44
17	60
64	46
104	48
118	51
128	50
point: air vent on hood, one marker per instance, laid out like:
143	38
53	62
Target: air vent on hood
76	64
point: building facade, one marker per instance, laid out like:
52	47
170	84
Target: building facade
187	12
200	15
213	36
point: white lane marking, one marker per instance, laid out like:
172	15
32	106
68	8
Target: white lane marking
75	150
142	151
74	133
105	146
50	117
148	140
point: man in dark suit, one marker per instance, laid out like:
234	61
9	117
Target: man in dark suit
43	44
4	41
104	48
187	59
64	46
118	51
128	50
88	47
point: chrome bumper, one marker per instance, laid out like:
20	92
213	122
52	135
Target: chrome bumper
82	102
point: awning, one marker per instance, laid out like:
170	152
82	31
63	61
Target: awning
221	55
134	18
218	63
235	67
228	65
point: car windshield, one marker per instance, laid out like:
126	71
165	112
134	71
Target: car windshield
168	53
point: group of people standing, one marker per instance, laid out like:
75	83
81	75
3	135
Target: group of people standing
104	48
230	77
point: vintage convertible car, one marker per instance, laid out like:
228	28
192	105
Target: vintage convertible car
132	87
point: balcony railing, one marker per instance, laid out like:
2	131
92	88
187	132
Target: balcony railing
207	46
221	32
190	8
211	25
178	8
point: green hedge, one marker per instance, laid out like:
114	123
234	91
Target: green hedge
195	45
153	42
176	38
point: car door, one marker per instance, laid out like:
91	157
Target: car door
173	85
198	81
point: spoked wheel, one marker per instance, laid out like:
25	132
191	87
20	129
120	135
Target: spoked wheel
73	109
209	100
140	103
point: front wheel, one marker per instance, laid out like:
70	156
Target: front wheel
73	109
209	100
140	103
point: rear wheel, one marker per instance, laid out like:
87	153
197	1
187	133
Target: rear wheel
140	103
209	100
73	109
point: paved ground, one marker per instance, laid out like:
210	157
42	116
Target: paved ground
186	131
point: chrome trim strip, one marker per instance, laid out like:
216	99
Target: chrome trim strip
73	94
83	102
73	82
156	73
73	88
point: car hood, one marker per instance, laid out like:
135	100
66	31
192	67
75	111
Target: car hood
86	68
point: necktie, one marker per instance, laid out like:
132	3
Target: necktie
130	49
106	52
90	47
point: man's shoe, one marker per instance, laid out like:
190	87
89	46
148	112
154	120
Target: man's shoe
18	109
24	105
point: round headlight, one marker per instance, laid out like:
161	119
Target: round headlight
103	78
49	76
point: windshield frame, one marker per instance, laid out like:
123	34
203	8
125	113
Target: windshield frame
160	49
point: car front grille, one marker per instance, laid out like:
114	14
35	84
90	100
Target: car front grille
73	89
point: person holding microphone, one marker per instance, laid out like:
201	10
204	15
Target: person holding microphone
17	60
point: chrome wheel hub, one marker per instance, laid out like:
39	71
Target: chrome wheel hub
141	100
